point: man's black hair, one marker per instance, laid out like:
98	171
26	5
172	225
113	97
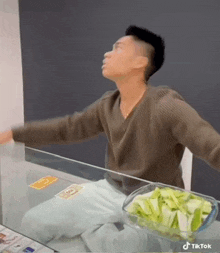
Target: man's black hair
143	34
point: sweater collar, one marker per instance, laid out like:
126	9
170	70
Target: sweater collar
139	104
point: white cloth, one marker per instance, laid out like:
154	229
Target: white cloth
98	203
107	238
92	213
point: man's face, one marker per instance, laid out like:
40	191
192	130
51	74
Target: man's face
121	61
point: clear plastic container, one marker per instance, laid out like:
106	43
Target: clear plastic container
173	234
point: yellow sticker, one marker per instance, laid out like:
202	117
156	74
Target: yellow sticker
70	192
43	182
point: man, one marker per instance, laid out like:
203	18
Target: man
147	129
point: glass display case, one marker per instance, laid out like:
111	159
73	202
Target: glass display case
84	211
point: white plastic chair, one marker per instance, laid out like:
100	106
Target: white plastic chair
186	164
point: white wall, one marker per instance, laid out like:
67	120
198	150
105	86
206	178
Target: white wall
11	81
11	104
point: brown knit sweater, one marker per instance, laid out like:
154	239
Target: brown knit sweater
149	144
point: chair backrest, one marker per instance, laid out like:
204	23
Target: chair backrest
186	165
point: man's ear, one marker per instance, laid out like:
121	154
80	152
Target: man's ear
142	61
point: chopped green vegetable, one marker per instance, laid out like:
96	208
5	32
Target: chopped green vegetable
144	205
207	208
171	204
175	222
196	221
154	206
183	224
166	215
192	204
168	210
165	192
156	193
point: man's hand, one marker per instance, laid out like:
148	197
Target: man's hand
6	137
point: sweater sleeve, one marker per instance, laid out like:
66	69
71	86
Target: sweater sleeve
62	130
190	129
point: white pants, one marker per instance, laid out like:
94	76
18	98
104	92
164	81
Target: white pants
91	214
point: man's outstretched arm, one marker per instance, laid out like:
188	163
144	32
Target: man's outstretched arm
62	130
191	130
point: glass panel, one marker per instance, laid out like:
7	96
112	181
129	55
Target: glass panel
35	204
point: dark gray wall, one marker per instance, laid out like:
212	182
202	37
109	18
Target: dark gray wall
63	43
